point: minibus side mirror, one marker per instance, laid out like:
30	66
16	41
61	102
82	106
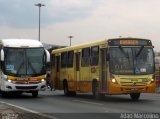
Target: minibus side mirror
47	56
2	55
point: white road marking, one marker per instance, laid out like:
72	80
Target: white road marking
93	103
29	110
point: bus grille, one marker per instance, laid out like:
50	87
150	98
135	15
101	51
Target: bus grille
35	82
26	87
133	83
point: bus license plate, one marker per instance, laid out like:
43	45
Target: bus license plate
134	88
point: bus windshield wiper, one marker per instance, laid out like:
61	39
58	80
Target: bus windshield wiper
139	52
20	67
121	49
29	63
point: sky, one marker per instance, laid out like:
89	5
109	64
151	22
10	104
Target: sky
86	20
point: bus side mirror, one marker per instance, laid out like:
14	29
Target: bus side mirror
47	56
2	55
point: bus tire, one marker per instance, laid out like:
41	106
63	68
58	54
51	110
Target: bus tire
135	96
35	94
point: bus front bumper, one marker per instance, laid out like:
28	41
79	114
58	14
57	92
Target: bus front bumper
8	86
119	89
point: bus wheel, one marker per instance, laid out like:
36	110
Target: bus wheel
35	94
135	96
65	87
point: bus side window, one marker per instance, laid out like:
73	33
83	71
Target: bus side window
58	63
94	55
70	59
52	61
85	57
64	59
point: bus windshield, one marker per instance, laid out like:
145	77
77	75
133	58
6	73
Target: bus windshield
131	60
24	61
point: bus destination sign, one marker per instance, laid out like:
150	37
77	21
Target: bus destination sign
129	42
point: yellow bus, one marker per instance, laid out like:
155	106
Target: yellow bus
113	66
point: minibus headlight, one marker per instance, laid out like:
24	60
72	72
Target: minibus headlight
42	80
9	81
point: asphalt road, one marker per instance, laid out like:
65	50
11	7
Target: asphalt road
53	104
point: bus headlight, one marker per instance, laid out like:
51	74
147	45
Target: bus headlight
113	80
152	80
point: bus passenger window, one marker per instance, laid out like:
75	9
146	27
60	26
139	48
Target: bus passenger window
53	61
94	55
64	60
58	63
85	57
70	59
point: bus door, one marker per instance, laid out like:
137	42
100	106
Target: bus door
57	74
103	70
77	70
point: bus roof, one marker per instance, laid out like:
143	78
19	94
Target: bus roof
20	43
79	46
85	45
